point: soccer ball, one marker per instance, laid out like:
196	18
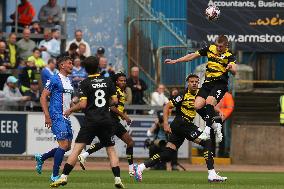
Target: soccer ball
212	13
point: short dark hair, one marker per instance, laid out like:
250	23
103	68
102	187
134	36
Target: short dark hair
61	59
191	75
78	30
118	75
91	64
36	49
100	50
51	60
73	46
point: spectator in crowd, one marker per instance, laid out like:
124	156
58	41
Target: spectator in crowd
137	85
38	61
26	13
12	49
81	51
45	45
100	52
28	74
174	92
78	73
4	57
79	39
72	51
35	28
50	14
2	37
106	70
25	45
13	97
48	71
56	34
128	95
53	47
2	99
158	98
34	93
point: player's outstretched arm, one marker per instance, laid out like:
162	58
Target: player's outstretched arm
166	113
44	105
186	58
79	106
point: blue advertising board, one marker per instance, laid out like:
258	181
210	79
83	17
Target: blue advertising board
12	133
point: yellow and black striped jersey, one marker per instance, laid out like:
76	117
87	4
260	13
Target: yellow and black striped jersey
121	97
217	63
185	105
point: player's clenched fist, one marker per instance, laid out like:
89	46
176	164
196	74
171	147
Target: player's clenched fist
170	61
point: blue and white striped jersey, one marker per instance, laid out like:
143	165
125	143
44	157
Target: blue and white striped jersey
61	91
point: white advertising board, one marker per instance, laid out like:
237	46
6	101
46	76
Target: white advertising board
40	139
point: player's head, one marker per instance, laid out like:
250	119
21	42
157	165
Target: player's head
120	80
192	82
222	43
91	65
64	64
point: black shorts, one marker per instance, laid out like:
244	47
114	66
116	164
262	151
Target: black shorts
182	129
216	88
103	131
119	129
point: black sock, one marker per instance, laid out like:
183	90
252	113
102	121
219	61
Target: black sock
129	155
116	171
174	159
210	112
94	148
202	112
67	169
208	155
165	156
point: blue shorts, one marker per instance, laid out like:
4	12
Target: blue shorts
61	128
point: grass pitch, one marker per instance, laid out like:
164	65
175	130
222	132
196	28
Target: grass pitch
151	180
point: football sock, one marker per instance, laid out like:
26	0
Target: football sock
129	155
166	155
202	112
116	171
174	159
49	154
208	154
67	169
58	158
210	112
94	148
85	154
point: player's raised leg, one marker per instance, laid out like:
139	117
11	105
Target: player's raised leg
83	156
166	155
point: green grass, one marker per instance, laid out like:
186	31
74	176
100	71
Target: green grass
151	180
